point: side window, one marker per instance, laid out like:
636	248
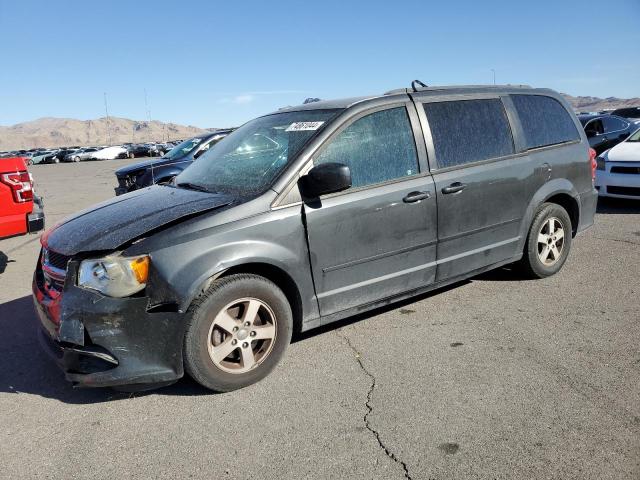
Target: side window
377	148
468	131
544	121
614	124
593	128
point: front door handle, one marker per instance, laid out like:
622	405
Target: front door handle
416	197
455	187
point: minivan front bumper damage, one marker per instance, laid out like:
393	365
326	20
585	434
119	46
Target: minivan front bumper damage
101	341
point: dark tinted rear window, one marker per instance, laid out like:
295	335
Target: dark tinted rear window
632	112
544	121
469	131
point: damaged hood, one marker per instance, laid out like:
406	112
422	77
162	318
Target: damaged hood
111	224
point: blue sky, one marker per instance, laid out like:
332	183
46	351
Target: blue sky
209	63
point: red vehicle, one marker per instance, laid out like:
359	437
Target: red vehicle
20	211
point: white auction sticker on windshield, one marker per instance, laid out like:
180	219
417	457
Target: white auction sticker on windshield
303	126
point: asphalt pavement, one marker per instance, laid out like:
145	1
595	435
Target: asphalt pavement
496	377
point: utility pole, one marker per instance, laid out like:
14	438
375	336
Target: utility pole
106	111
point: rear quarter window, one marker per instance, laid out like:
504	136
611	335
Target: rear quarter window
469	131
544	121
614	124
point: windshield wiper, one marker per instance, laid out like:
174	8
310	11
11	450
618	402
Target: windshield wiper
193	186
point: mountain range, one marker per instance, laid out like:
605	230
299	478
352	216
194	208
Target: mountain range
595	104
59	132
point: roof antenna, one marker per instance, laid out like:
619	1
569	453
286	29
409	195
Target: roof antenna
417	83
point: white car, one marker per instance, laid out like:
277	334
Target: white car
110	153
618	171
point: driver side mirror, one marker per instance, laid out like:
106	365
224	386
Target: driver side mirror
325	178
199	152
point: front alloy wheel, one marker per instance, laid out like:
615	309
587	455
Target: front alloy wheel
237	332
242	335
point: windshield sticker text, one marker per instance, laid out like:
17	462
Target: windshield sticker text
303	126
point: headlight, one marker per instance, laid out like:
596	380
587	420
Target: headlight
115	276
601	163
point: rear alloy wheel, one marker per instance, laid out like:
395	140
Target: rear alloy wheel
548	242
238	330
551	242
76	159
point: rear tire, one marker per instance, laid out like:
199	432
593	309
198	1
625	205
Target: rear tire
237	332
548	242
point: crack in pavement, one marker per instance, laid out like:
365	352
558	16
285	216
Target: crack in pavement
369	406
617	240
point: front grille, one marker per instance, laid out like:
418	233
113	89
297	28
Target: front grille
627	170
54	269
630	191
56	260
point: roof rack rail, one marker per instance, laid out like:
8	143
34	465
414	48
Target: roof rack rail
417	86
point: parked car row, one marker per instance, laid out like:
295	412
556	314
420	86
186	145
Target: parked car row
101	152
628	113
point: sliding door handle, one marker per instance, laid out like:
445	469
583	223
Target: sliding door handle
454	188
416	197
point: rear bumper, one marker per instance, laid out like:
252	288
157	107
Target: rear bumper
21	222
588	204
99	341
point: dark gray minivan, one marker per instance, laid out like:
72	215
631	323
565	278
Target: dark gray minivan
306	216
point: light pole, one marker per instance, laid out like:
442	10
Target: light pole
494	76
146	106
106	111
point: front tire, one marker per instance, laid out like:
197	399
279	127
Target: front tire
548	242
237	332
